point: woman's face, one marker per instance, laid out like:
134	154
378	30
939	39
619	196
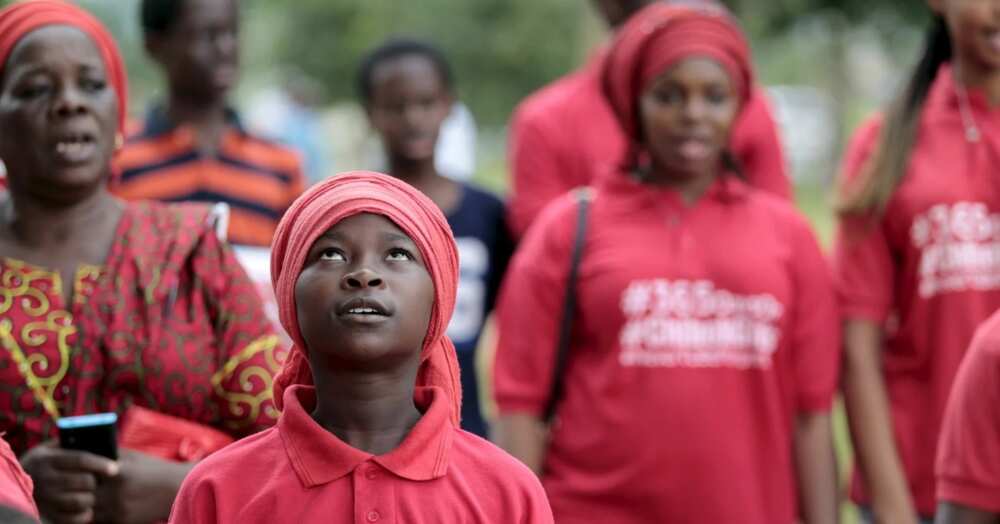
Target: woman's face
975	30
686	115
364	298
58	113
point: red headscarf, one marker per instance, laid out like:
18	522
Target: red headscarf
659	36
345	195
21	18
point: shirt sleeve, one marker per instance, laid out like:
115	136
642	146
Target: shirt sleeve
538	510
530	309
862	260
15	485
757	146
195	502
249	352
968	460
815	325
538	176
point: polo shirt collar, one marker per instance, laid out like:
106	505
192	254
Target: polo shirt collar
157	123
944	98
319	457
725	189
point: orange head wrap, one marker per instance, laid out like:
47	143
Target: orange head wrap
346	195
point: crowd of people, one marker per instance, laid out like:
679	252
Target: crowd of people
671	335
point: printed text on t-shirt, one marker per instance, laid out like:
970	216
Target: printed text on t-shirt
683	323
959	248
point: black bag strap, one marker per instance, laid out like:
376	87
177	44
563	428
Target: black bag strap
584	197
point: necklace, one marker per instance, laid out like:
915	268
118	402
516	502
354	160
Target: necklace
965	110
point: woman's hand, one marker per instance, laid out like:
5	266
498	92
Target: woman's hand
143	490
66	481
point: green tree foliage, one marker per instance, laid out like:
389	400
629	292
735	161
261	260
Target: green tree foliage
776	15
500	49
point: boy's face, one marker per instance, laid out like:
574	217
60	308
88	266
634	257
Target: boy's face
200	51
364	297
409	102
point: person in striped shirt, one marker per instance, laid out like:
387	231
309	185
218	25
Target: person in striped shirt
193	146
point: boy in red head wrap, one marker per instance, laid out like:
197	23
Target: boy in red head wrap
365	271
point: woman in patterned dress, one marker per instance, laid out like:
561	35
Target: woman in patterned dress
107	306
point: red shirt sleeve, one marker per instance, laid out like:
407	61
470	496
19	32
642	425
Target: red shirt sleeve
537	175
968	460
15	485
195	502
536	507
249	353
757	146
862	261
815	336
530	310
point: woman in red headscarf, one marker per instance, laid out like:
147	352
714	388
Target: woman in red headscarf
138	309
365	271
703	350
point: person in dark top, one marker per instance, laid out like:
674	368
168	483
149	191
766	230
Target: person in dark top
406	87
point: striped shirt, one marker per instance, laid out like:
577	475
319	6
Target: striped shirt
257	178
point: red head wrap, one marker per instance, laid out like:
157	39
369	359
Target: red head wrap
346	195
659	36
21	18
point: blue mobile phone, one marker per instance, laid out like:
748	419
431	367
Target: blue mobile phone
95	433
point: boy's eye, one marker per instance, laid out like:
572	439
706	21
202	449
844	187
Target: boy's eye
717	97
399	254
32	90
331	254
668	95
93	85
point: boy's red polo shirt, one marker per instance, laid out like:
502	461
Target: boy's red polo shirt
968	460
566	135
299	473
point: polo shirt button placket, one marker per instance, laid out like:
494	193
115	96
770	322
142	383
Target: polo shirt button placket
373	516
371	473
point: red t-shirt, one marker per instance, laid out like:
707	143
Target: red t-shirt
701	331
15	485
968	460
927	269
567	136
298	472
